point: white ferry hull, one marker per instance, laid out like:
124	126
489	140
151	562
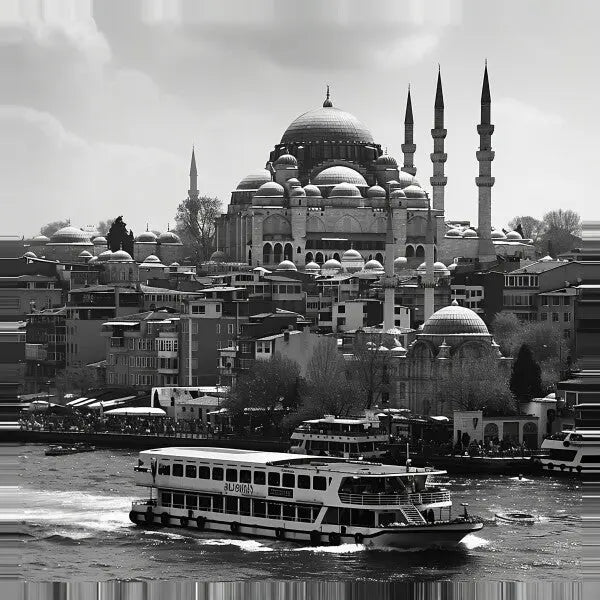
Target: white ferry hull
443	534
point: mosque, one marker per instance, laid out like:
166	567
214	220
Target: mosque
324	191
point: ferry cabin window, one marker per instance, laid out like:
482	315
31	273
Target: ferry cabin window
217	473
231	505
289	511
177	500
244	506
304	482
204	502
274	479
288	480
164	468
178	470
231	475
259	508
190	471
165	498
217	504
259	477
191	501
304	513
274	510
245	476
319	483
203	472
386	518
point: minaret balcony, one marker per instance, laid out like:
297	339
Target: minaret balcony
438	180
485	181
438	133
438	157
485	155
485	129
409	148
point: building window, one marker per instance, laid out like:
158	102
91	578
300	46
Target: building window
555	316
198	310
230	328
544	316
555	300
567	317
567	301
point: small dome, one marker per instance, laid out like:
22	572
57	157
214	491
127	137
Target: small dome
498	234
169	237
104	256
286	160
120	256
29	254
174	264
40	239
292	182
339	174
271	188
218	256
398	193
373	265
351	254
387	160
438	267
254	180
99	241
145	237
469	233
331	265
405	179
454	232
286	265
296	192
312	190
454	320
69	235
85	254
312	267
414	191
152	259
400	263
345	190
376	191
514	235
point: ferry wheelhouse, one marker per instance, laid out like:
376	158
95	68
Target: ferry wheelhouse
352	437
576	450
306	499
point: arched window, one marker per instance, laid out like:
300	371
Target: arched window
490	432
267	251
319	258
410	252
309	257
379	257
288	252
420	252
277	253
336	256
298	250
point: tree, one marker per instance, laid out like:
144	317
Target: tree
506	328
526	376
74	379
561	231
271	388
117	237
530	226
53	227
196	220
104	226
478	385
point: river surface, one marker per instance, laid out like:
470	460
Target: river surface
74	515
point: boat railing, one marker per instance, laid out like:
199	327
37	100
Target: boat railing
395	499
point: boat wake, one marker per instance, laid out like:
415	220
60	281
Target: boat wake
472	541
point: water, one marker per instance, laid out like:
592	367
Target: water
74	511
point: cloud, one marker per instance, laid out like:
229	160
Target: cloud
518	113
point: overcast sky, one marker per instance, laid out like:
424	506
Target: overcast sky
102	101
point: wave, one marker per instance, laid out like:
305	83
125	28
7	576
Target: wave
246	545
472	541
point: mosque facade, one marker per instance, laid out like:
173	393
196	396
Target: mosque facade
326	185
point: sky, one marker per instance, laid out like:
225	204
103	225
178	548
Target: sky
102	101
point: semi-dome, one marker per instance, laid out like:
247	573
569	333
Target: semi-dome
286	160
514	235
312	267
454	232
254	180
271	188
145	237
169	237
469	233
120	256
40	239
405	179
387	160
152	258
326	124
376	191
70	235
286	265
373	265
414	191
454	320
398	193
331	265
339	174
498	234
312	190
345	190
99	241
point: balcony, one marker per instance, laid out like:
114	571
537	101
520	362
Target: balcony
117	342
35	352
395	500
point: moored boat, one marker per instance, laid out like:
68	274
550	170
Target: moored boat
61	450
300	498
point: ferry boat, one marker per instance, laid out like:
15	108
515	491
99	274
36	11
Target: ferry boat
352	437
300	498
577	450
61	450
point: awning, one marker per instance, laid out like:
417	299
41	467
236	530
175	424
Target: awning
77	401
140	411
110	403
85	403
440	418
123	323
217	412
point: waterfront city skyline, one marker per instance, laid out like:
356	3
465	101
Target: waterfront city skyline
115	98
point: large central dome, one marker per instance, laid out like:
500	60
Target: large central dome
326	124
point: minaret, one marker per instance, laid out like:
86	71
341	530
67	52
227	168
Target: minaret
428	282
485	181
409	147
388	280
193	191
438	157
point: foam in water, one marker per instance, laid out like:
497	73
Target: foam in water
247	545
472	541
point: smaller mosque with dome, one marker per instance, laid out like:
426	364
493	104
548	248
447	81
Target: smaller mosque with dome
325	189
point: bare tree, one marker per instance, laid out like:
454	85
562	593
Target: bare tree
53	227
561	231
532	228
104	226
196	219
